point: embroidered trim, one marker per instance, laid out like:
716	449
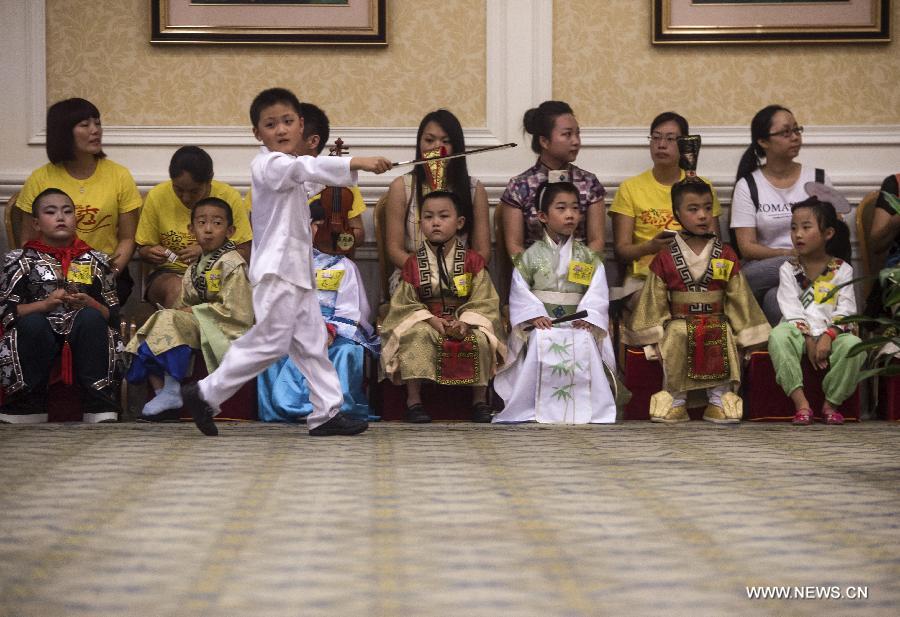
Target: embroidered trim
474	354
719	340
199	278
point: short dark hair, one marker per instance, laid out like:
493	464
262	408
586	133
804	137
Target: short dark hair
453	197
36	204
316	211
692	185
193	160
547	192
62	117
270	97
671	116
217	203
315	122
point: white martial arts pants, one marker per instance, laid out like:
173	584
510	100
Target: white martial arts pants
288	321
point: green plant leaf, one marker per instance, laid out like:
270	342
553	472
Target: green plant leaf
876	342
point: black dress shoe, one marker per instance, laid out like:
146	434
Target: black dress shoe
200	410
340	424
416	414
482	413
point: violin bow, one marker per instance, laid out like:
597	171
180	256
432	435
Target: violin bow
453	156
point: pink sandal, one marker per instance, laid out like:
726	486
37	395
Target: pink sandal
803	417
834	417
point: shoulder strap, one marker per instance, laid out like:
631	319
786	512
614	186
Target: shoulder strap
820	175
754	191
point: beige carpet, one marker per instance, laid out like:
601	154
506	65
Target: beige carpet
452	519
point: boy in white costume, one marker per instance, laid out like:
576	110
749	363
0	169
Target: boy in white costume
288	320
561	373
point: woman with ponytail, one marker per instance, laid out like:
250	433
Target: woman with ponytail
769	182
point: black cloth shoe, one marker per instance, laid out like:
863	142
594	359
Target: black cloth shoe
340	424
482	413
416	414
200	410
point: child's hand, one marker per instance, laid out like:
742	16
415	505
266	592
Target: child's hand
438	324
823	350
78	300
375	164
459	330
189	254
581	324
541	323
54	300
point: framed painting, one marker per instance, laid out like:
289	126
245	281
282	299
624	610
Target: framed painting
268	22
771	21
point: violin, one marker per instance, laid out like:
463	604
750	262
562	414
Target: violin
335	236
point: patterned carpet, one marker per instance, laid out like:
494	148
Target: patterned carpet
446	519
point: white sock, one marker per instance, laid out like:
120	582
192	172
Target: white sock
168	397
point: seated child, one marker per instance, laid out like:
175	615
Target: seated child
443	323
809	307
58	297
215	308
282	389
561	373
697	310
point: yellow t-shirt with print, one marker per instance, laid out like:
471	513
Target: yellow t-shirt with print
649	203
164	219
99	200
359	206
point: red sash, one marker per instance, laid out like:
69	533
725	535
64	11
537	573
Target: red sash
457	361
707	353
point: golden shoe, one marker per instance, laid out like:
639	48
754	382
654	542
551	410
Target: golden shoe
731	411
661	409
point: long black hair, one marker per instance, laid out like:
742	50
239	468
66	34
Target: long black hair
760	127
457	171
839	245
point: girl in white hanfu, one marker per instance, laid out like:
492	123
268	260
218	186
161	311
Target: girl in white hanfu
562	373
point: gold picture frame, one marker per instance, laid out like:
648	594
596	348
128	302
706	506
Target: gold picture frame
770	21
273	22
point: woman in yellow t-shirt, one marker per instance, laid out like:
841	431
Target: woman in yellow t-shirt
163	238
106	198
642	208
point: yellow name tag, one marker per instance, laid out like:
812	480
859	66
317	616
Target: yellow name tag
821	289
463	283
721	269
214	279
329	280
79	273
580	273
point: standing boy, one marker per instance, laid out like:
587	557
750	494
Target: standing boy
288	320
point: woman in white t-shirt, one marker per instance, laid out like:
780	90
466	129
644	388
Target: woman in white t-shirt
762	230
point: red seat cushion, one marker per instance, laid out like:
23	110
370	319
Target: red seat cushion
764	400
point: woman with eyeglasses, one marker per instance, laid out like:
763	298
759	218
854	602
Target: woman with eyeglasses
642	218
769	181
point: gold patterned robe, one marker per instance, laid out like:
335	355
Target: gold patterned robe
411	347
218	291
683	286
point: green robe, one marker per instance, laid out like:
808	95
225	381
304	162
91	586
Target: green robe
216	318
